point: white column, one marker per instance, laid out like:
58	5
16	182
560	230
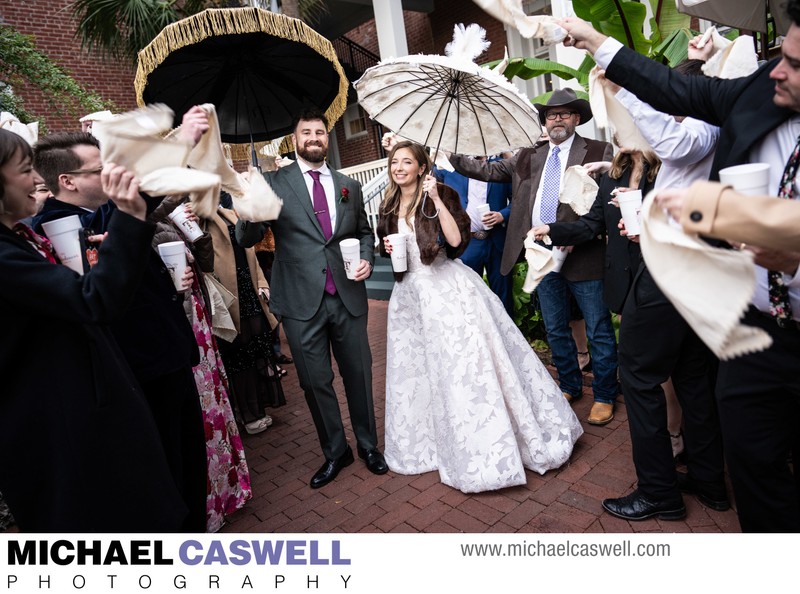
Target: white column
391	28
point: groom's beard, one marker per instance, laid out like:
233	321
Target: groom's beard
313	151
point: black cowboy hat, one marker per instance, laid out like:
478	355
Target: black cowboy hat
565	98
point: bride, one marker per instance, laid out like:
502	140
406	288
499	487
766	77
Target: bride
465	393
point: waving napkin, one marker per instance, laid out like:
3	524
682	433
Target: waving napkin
611	114
540	262
731	59
134	140
510	12
579	190
710	287
10	122
253	198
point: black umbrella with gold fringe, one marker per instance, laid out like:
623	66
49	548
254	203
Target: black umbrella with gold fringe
259	69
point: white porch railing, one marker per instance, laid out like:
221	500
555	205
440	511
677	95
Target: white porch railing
374	178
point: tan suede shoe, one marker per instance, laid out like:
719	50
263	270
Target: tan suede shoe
601	414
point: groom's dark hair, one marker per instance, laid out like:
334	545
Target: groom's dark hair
308	115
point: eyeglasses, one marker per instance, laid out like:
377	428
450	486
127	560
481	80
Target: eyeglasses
561	115
93	170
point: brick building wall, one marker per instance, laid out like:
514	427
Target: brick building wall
420	41
113	81
51	23
425	34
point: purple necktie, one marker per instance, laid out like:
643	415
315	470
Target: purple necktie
552	184
321	210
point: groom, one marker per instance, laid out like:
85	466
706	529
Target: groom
321	309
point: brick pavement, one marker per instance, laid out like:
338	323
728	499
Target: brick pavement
283	458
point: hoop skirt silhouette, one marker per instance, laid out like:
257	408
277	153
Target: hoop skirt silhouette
465	392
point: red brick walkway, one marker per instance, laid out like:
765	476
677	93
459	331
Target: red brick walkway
283	458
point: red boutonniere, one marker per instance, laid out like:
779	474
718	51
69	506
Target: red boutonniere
345	195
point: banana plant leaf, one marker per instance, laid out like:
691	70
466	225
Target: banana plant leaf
673	50
528	68
666	20
620	19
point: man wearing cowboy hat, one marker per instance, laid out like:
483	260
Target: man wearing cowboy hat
536	175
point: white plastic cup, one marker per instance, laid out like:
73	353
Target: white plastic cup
630	204
482	209
65	236
751	179
399	259
173	253
558	255
188	228
351	254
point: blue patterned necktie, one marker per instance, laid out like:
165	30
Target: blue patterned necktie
779	305
324	218
551	187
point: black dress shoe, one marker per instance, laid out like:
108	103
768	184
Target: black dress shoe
284	360
638	507
711	495
330	469
374	460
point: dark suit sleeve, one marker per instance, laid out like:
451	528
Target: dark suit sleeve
100	296
495	171
584	229
705	98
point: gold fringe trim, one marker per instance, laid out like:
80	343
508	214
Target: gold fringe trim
229	21
241	152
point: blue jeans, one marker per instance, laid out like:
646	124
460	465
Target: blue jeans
553	294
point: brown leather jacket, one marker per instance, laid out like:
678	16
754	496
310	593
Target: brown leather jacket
429	231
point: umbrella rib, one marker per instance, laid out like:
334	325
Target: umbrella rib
497	112
502	106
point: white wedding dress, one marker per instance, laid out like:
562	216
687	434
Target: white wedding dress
465	393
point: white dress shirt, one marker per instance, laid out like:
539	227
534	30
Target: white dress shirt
477	194
563	156
326	179
775	148
686	148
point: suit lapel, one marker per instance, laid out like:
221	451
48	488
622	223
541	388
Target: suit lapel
578	152
338	184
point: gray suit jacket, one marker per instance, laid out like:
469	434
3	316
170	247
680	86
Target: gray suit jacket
525	170
302	255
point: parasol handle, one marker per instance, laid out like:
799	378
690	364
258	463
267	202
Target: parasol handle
424	200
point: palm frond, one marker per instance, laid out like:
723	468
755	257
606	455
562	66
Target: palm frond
120	28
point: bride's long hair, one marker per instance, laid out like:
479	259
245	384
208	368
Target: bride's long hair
391	200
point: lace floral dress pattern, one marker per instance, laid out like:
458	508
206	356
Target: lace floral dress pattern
465	393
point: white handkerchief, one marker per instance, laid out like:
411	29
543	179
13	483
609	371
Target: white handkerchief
732	59
609	113
511	13
10	122
253	199
579	190
710	287
540	263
